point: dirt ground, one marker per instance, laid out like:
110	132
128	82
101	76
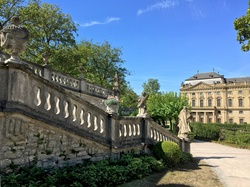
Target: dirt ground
195	174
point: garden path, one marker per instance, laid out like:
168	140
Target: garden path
232	165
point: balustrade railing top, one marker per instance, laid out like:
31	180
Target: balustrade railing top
68	82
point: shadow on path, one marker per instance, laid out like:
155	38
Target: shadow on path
213	157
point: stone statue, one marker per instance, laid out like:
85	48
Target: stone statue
184	120
142	107
112	104
14	39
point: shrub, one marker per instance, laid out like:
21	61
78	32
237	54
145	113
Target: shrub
186	158
168	151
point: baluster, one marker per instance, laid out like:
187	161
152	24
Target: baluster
89	120
95	123
57	108
66	109
74	113
37	100
82	116
101	126
129	130
47	105
125	130
138	129
134	130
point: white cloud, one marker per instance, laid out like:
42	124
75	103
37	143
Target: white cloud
161	5
106	21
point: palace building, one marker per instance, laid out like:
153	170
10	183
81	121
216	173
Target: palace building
216	99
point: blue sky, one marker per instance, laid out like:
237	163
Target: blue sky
168	40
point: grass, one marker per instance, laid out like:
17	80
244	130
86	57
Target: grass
194	174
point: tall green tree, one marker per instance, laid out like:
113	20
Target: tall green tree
8	9
152	86
165	107
96	62
49	28
128	98
242	26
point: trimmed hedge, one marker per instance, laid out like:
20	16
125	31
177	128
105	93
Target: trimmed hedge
228	133
168	151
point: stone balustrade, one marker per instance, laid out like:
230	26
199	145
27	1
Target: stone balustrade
39	94
74	84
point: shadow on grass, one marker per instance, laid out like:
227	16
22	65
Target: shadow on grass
167	178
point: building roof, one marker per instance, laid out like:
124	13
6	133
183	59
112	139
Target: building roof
238	79
207	75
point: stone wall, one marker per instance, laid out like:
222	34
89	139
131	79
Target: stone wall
24	140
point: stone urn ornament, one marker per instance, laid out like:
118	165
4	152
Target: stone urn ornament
14	38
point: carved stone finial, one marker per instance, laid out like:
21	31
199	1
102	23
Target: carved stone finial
14	39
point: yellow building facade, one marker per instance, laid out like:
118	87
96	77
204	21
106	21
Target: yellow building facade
216	99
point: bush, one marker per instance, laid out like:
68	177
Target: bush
103	173
168	151
186	158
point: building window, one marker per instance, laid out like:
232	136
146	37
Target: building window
218	102
231	120
193	102
209	120
209	93
240	112
240	102
209	102
201	103
230	102
218	120
240	92
230	111
201	120
218	92
201	93
229	92
241	121
193	94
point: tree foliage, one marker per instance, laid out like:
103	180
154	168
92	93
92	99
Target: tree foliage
165	107
242	26
49	28
52	34
129	99
8	9
152	86
96	63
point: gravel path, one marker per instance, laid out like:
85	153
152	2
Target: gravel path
232	165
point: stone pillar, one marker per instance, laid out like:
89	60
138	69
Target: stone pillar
185	146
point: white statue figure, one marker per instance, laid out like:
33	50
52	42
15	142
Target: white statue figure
184	120
142	107
112	104
14	39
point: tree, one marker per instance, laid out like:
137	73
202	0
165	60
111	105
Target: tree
242	26
151	87
97	63
8	9
164	107
49	29
128	99
52	33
